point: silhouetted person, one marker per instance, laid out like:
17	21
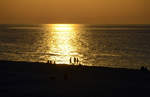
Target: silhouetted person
47	61
75	60
54	62
70	60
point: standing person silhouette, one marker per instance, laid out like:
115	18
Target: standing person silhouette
70	60
75	61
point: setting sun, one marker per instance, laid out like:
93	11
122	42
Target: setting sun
62	28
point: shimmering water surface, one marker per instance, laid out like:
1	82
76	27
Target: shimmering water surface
123	46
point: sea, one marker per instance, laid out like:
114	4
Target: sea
118	46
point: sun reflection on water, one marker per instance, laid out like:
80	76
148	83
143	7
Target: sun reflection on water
61	42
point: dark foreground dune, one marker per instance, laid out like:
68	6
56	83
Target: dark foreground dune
24	79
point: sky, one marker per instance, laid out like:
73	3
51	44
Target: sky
75	11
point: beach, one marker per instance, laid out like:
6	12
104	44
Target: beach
34	79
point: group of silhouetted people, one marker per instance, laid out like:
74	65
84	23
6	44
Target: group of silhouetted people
143	68
51	62
74	61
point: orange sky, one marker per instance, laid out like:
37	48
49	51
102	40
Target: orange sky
75	11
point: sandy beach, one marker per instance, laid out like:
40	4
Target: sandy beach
19	79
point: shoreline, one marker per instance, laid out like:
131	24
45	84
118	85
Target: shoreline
39	67
66	65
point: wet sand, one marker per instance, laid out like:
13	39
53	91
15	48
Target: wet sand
27	79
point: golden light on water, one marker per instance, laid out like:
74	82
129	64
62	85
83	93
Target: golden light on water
61	42
62	35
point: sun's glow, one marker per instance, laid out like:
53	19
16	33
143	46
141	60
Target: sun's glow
62	28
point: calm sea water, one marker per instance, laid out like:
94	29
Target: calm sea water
122	46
